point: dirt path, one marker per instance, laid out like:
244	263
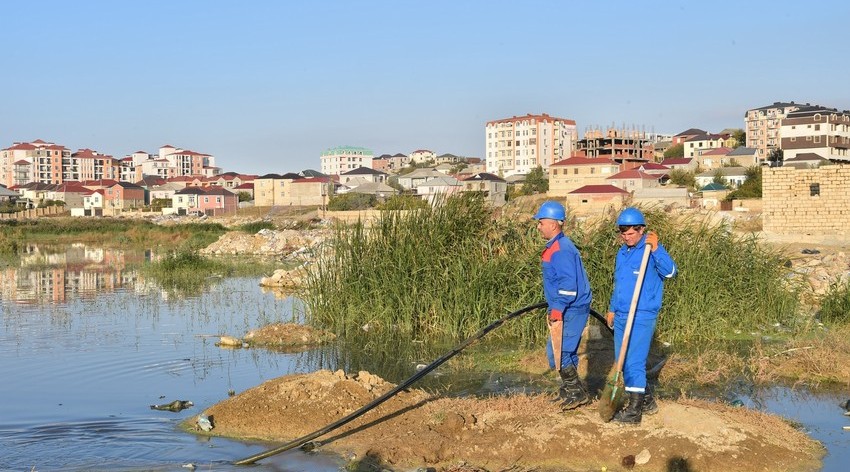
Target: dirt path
517	433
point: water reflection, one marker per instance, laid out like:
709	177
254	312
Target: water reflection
56	275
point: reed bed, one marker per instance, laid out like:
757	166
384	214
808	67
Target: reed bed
452	269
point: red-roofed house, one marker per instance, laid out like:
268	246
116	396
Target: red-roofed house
633	179
569	174
596	197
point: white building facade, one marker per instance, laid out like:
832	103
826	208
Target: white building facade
341	159
518	145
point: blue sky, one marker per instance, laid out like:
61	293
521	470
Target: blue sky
266	86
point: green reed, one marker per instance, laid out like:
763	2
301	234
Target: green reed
445	270
835	305
452	269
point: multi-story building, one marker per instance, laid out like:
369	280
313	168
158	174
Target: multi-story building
816	130
763	126
341	159
518	145
36	161
628	147
421	156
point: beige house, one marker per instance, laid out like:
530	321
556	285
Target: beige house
712	158
273	189
742	156
595	198
763	126
686	164
696	145
818	130
569	174
633	179
493	187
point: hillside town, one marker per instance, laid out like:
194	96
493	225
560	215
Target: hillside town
799	151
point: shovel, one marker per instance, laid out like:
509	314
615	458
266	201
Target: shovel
556	332
612	395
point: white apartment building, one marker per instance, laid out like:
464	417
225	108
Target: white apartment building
816	130
340	159
518	145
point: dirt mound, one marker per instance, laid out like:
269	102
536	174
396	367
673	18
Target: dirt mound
518	432
287	335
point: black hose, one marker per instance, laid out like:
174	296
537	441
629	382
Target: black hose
422	373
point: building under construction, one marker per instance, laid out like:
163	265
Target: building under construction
628	147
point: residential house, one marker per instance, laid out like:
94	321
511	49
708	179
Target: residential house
686	164
310	191
185	201
712	158
164	192
742	156
491	186
273	189
698	144
92	204
712	194
686	135
246	188
365	173
633	179
378	189
806	160
519	145
447	158
411	180
734	176
8	196
595	197
217	200
569	174
421	156
123	196
72	193
438	187
229	180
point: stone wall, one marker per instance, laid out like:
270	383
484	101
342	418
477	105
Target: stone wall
806	201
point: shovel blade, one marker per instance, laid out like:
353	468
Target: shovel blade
556	332
611	399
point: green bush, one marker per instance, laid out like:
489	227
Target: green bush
352	201
403	202
835	305
256	226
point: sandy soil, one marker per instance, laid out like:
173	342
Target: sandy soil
517	433
287	336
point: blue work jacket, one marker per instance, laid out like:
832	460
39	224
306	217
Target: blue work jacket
565	283
626	268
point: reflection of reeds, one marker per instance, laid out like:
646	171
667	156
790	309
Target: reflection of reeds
452	268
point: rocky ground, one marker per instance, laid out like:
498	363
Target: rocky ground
518	433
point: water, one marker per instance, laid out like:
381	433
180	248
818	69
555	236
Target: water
86	345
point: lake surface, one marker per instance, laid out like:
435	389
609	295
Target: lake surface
87	345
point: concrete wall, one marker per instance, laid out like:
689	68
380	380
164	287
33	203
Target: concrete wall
806	201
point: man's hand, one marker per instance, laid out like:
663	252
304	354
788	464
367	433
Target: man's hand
555	315
609	317
652	240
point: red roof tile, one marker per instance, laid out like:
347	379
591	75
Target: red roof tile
599	189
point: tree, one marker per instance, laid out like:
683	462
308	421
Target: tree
751	188
244	196
776	157
719	178
537	181
352	201
740	137
683	178
675	151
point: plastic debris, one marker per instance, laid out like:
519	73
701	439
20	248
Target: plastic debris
176	405
204	423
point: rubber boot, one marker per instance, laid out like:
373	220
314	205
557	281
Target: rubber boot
573	391
632	413
649	405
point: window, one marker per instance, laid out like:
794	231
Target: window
814	190
817	127
575	171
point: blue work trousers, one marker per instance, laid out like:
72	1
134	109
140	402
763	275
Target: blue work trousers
634	367
574	323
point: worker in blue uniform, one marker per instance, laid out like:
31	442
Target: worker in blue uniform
660	267
567	292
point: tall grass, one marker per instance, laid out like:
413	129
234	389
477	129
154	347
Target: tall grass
445	270
835	304
452	269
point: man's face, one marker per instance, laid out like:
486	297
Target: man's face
548	228
630	234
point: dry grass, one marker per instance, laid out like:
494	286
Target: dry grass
714	367
813	360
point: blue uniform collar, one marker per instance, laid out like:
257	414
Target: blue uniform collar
555	238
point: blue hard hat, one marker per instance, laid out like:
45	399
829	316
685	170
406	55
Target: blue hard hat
630	216
551	210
